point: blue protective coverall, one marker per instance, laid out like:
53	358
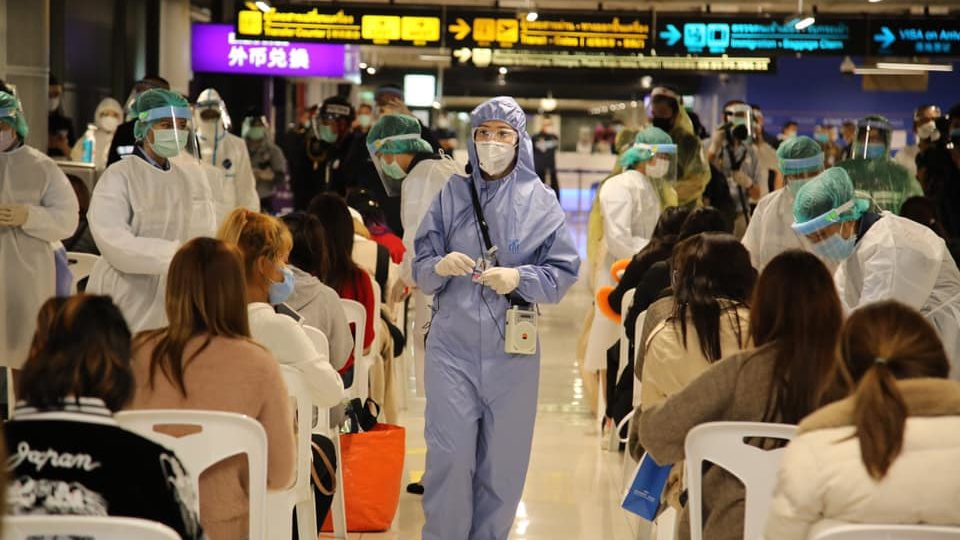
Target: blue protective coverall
481	402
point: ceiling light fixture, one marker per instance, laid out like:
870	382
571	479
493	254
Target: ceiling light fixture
263	6
503	71
915	67
878	71
875	1
801	21
532	16
371	70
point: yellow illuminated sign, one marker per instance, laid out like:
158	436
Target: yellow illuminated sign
345	25
573	33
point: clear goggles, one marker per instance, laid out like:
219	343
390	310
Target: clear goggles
500	135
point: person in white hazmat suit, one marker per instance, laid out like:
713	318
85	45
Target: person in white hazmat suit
106	118
881	256
409	168
227	152
145	207
37	207
770	231
630	204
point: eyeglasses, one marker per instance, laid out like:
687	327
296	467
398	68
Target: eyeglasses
503	135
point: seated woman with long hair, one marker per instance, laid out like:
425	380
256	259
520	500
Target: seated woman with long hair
887	454
795	319
265	244
317	303
342	273
205	359
66	455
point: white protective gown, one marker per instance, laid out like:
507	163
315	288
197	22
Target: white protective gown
898	259
140	216
630	207
770	231
229	154
417	192
27	270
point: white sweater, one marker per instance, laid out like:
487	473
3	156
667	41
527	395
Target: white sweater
823	483
283	337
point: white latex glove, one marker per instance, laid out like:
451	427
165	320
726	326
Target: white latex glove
454	265
502	280
742	179
13	215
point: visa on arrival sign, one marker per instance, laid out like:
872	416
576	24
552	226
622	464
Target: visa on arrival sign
215	48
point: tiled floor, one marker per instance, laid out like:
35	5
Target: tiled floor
573	487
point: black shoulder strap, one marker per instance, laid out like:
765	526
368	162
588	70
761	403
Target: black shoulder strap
478	212
383	267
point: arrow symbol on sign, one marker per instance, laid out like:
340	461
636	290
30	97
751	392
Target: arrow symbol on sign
461	29
672	35
885	38
463	55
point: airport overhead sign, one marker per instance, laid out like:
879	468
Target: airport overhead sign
905	37
623	32
216	49
756	37
483	57
330	24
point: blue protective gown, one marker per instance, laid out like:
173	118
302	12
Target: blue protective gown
481	402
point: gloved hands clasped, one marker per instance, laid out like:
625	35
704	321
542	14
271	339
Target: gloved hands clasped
13	215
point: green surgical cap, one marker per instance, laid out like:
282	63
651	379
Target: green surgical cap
156	98
800	155
828	191
649	135
397	134
12	113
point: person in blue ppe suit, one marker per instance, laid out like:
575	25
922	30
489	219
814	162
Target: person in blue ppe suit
481	401
881	256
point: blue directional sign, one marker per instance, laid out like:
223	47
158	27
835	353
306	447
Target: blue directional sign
756	37
926	37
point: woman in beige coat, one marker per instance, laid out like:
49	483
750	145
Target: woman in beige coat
889	452
795	321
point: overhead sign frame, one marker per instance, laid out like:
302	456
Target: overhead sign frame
371	25
482	57
737	35
915	37
558	31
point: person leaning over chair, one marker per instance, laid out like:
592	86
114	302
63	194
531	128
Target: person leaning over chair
76	376
206	360
889	452
795	319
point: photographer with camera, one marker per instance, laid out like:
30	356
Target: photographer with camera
733	151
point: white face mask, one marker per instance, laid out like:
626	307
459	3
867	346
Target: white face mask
495	157
108	123
7	139
658	169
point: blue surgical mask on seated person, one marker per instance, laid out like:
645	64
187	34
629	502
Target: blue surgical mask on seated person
495	157
392	170
876	150
279	292
836	247
167	142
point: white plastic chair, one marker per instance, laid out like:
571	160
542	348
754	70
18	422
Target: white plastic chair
357	315
96	528
299	496
80	264
223	435
723	444
338	509
890	532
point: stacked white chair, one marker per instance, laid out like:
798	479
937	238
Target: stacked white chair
357	316
890	532
223	435
723	444
299	496
95	528
80	264
338	509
